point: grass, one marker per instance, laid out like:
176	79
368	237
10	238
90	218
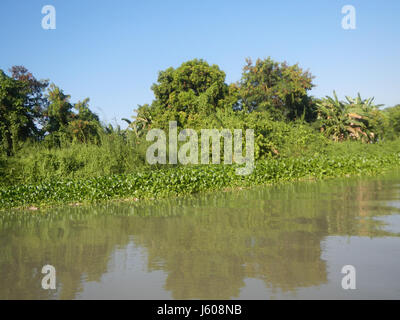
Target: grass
181	180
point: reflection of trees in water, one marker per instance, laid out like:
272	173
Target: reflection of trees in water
78	247
210	255
208	245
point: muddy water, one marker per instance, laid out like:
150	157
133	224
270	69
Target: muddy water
283	242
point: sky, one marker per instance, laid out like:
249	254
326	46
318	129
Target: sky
112	51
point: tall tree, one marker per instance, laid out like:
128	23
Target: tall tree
84	124
20	108
36	99
277	88
59	111
74	121
192	90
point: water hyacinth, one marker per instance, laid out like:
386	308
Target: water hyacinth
192	179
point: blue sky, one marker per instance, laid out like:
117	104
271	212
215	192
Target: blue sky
111	51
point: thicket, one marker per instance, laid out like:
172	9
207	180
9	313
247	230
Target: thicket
45	139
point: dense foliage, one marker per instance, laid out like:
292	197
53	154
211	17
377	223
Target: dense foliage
277	88
47	140
355	119
191	179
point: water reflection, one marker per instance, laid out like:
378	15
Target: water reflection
207	245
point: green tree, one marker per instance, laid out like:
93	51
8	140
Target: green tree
34	90
185	94
393	114
277	88
19	109
84	124
71	121
58	112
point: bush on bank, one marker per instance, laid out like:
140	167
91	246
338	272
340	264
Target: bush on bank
192	179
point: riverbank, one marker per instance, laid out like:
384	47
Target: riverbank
183	180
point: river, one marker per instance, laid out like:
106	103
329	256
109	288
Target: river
288	241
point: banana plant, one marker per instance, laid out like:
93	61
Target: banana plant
141	121
350	119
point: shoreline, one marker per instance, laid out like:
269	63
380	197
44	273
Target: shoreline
188	180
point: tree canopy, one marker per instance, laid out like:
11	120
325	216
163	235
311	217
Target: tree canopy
276	88
271	97
30	109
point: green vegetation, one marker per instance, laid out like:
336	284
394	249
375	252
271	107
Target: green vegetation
355	119
190	179
55	151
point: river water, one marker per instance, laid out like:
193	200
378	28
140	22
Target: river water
282	242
